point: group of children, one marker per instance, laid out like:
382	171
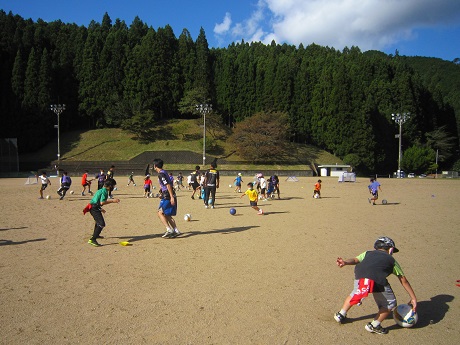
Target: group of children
371	267
66	182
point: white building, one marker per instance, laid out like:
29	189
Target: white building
333	170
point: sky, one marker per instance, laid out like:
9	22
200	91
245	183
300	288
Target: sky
429	28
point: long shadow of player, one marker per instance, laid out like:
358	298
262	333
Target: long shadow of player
139	238
220	231
20	227
9	242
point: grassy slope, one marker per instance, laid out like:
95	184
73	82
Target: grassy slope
113	144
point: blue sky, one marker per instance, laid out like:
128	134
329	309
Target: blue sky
428	28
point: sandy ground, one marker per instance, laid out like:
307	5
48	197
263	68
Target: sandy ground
243	279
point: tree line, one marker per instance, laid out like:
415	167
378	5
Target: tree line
110	74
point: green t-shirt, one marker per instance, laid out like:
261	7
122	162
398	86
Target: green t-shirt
100	196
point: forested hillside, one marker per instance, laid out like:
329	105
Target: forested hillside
110	73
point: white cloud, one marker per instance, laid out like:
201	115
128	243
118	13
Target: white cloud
369	24
222	28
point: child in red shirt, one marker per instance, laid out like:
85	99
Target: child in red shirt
147	186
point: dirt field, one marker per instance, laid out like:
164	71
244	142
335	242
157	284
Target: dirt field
243	279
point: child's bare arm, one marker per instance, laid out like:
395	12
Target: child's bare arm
405	283
341	262
110	201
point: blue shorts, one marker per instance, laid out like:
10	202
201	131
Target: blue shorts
253	203
166	208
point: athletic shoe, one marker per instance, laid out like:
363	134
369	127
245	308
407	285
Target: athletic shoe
59	193
82	194
90	193
212	206
94	243
339	317
379	329
205	206
167	234
193	197
177	232
173	235
261	212
61	198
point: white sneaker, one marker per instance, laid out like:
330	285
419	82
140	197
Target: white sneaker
167	234
212	206
261	212
177	232
205	206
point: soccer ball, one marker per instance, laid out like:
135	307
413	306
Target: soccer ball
48	197
405	316
232	211
71	192
187	217
316	196
384	201
229	186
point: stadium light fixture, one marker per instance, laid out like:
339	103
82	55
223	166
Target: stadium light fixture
204	109
400	119
58	109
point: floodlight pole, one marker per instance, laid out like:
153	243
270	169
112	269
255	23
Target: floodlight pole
400	119
204	109
58	109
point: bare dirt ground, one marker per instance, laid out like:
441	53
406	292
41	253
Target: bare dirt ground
243	279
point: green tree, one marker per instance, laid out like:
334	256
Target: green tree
418	159
140	124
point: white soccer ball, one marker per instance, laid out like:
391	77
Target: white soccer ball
405	316
316	196
229	186
187	217
48	197
71	192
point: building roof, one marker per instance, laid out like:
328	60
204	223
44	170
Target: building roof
334	166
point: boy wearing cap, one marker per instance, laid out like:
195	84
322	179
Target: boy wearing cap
238	181
372	269
211	183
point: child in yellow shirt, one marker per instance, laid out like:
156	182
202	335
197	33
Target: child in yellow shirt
253	197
